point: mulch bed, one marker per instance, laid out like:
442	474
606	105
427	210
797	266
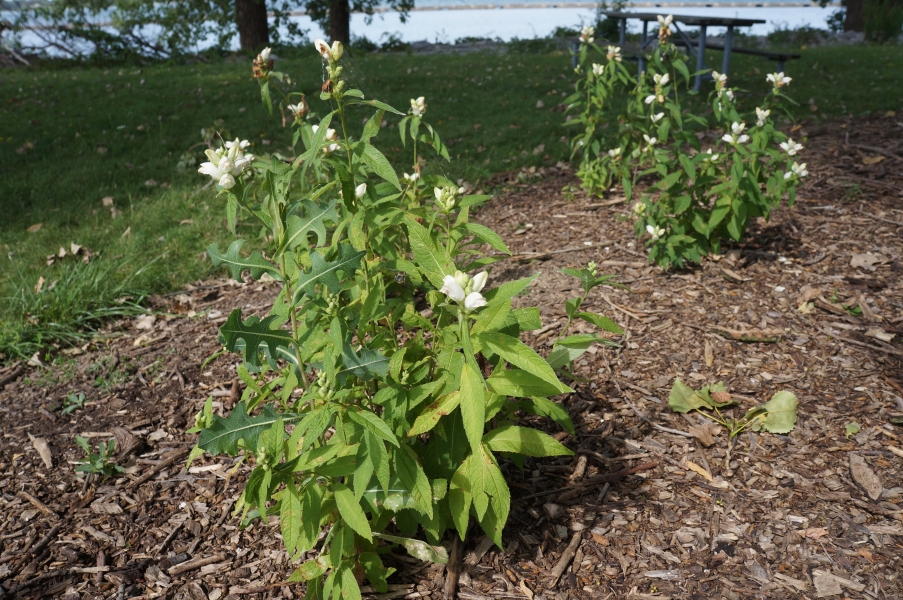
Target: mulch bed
653	505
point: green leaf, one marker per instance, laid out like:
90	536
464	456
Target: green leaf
523	440
325	273
380	165
254	332
487	235
366	366
418	549
433	262
683	398
375	570
290	518
350	589
521	384
297	229
351	511
508	290
473	405
311	569
377	104
493	485
601	321
223	435
546	408
781	415
374	424
519	354
491	318
414	479
460	496
435	411
852	428
256	264
570	348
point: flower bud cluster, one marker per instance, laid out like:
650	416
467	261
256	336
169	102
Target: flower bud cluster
465	290
592	267
586	34
661	80
227	163
778	80
418	106
300	109
614	53
446	198
323	387
263	64
333	302
332	55
664	30
330	136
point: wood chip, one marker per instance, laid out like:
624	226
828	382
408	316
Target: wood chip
865	477
43	448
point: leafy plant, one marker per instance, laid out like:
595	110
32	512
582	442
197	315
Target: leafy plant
100	462
386	386
700	199
778	415
73	402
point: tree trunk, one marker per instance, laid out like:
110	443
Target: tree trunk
340	21
855	19
253	28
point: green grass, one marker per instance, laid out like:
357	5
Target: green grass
86	133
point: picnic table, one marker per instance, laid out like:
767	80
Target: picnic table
702	22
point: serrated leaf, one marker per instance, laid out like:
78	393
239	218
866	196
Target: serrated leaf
781	415
414	479
570	348
431	415
546	408
253	332
326	273
418	549
523	440
473	405
487	235
379	164
683	398
601	321
520	355
520	384
365	366
223	435
433	262
460	496
256	264
297	229
290	517
351	511
374	424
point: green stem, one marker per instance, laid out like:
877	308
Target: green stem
294	318
570	319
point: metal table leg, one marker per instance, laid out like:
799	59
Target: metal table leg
728	44
700	59
641	60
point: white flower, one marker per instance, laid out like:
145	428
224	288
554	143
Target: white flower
299	110
729	94
418	106
264	55
323	48
452	289
411	178
720	79
479	281
639	208
665	21
360	190
474	300
761	115
709	156
649	99
661	79
737	128
598	69
655	232
735	139
241	145
778	79
791	147
587	33
227	182
650	140
329	137
614	152
799	170
657	117
614	53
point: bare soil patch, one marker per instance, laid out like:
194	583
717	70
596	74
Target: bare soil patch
683	511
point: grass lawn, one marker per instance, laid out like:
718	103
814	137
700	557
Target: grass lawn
71	137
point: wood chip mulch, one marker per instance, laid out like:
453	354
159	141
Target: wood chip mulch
653	505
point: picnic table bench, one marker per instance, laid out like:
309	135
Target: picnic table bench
698	47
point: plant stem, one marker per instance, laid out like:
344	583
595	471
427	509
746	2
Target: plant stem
287	287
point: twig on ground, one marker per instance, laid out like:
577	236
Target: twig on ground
38	504
167	462
197	563
453	568
566	557
12	375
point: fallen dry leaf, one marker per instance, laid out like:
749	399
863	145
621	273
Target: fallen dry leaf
35	228
867	261
813	533
865	477
43	448
873	160
701	470
880	334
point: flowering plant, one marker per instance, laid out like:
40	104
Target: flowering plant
699	198
386	385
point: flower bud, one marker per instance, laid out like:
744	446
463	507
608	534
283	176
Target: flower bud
227	182
478	281
474	300
360	190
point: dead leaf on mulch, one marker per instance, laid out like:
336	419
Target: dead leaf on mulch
867	261
864	476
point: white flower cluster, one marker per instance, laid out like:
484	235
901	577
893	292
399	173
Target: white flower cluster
587	33
655	232
761	115
661	80
598	69
664	29
331	53
330	137
791	147
736	136
796	170
614	53
418	106
227	163
445	198
412	178
779	80
463	289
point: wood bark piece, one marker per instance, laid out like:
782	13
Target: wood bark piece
43	449
171	458
38	504
865	477
197	563
566	558
12	375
